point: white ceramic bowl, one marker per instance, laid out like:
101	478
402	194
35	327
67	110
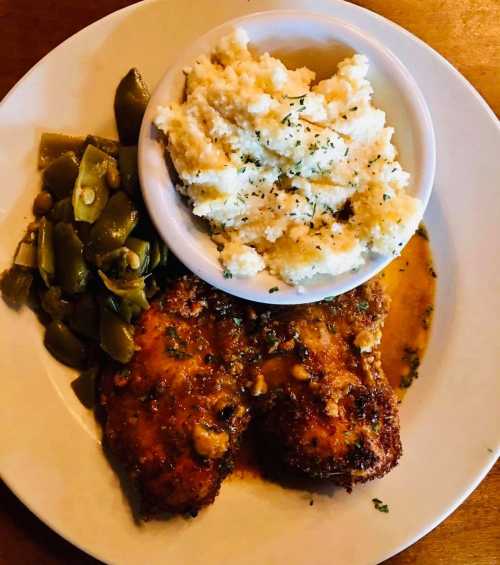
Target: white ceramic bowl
298	38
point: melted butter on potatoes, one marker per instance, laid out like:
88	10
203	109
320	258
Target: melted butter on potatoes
293	176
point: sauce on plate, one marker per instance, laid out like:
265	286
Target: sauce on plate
410	281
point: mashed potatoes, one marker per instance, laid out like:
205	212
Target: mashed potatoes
296	177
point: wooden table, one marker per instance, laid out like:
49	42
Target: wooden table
467	33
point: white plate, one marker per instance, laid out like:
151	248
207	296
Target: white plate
301	38
49	449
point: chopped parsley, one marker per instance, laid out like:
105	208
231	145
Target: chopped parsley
271	339
172	332
177	353
411	357
238	321
426	318
226	273
363	305
273	289
380	506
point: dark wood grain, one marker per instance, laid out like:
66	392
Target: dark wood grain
466	32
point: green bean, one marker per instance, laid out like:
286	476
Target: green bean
64	345
152	286
45	251
131	99
159	254
116	222
71	270
83	230
114	261
116	336
15	285
113	177
127	160
128	310
60	176
91	191
62	211
109	146
43	203
141	249
26	255
131	290
85	318
53	145
54	304
84	386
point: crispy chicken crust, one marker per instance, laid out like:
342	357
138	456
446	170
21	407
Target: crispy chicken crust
309	376
329	412
175	414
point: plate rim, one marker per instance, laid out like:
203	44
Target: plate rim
471	91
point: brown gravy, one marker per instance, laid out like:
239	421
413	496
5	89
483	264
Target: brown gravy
410	281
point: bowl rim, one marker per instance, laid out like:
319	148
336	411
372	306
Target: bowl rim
147	146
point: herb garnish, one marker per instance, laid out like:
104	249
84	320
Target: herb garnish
380	506
226	273
273	289
411	357
362	305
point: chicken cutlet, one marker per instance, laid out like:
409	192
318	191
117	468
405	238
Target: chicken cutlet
328	412
309	376
175	414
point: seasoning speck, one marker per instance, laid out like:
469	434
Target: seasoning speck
380	506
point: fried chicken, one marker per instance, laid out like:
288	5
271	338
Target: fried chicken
175	414
329	412
309	376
